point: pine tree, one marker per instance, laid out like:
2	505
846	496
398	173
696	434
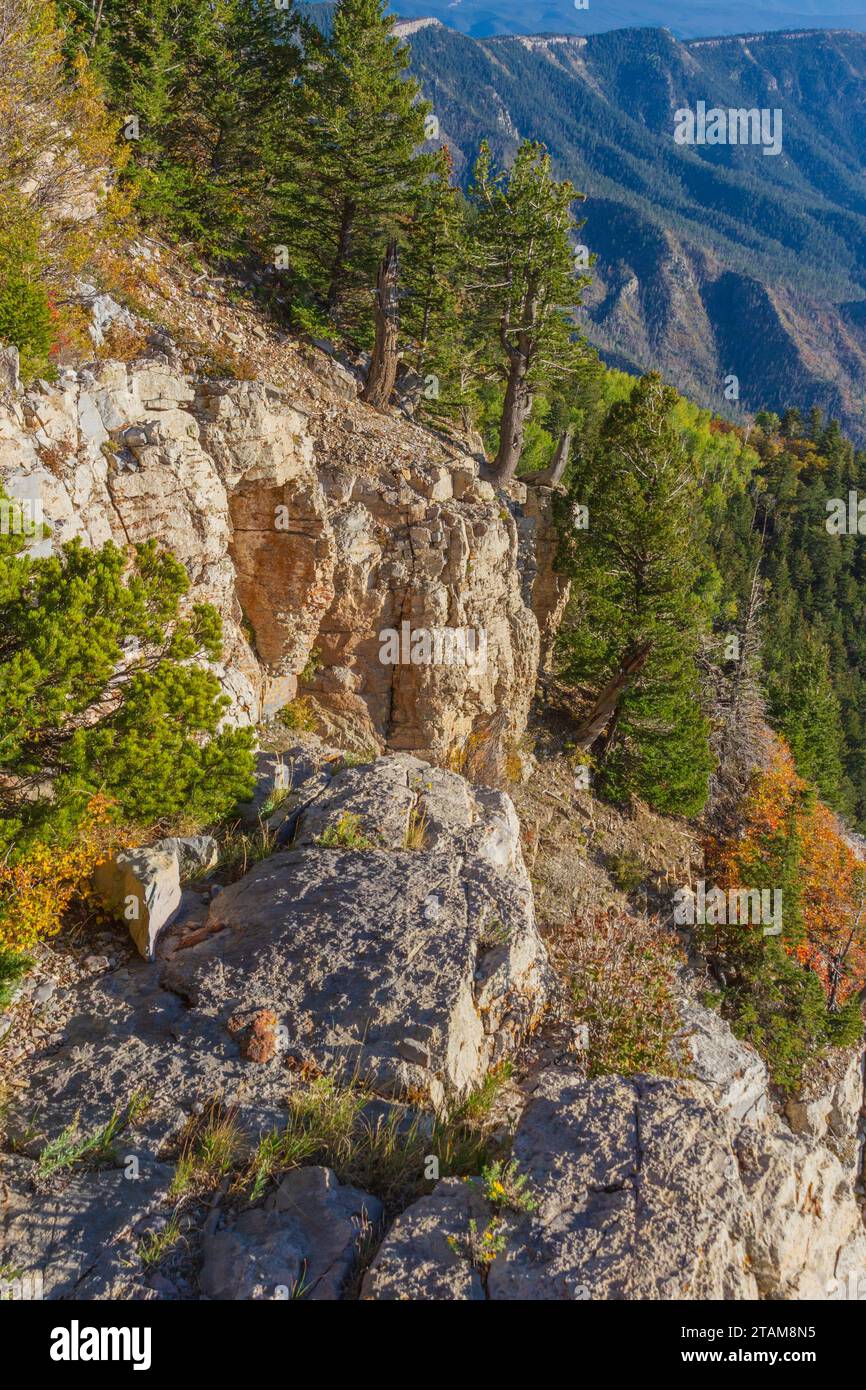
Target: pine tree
347	163
434	270
809	716
524	284
203	81
636	622
99	694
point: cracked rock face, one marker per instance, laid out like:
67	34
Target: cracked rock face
303	1242
645	1189
82	1237
421	966
299	549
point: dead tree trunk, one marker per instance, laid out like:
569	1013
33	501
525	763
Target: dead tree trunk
383	364
607	703
550	476
515	409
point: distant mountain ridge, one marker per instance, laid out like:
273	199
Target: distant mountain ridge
712	260
685	18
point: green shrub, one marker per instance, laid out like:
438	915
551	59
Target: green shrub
298	716
26	318
626	871
782	1010
346	833
103	708
13	967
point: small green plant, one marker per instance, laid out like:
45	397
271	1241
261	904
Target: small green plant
482	1247
626	871
70	1150
299	1288
241	849
314	661
506	1187
277	798
13	967
212	1149
346	833
366	755
26	318
156	1244
298	715
493	933
479	1103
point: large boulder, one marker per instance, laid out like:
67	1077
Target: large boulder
79	1238
416	967
142	888
733	1070
637	1190
424	1257
829	1103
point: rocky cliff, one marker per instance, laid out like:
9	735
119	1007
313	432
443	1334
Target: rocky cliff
312	523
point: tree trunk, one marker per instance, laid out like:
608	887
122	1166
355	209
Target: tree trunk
518	403
338	270
383	364
607	703
549	477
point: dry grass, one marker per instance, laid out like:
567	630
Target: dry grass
416	829
386	1152
212	1148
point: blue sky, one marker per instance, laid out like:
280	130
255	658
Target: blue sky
687	18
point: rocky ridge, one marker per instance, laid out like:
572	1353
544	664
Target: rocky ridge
414	970
390	938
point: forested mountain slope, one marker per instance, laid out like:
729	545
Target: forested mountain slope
711	260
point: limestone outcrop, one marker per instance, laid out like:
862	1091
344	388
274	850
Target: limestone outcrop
311	543
643	1189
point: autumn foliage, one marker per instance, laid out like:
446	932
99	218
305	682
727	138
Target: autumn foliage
809	979
38	886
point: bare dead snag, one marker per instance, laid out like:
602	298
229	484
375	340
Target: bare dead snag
552	475
383	364
607	704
